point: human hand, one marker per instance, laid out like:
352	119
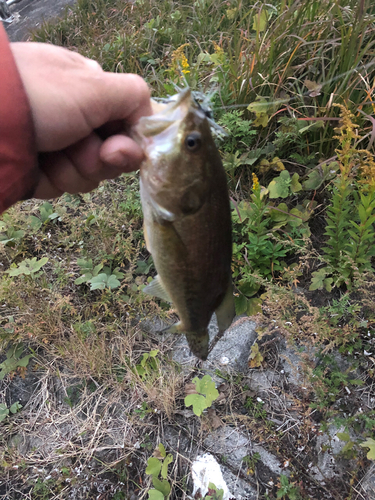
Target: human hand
71	97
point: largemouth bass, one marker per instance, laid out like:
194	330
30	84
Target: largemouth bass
187	220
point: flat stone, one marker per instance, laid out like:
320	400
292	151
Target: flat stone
328	448
270	460
262	380
231	444
231	353
292	361
234	446
239	489
30	14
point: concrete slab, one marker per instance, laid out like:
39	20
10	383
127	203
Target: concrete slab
30	14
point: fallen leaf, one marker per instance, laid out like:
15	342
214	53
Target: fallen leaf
313	87
255	358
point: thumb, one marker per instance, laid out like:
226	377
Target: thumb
123	97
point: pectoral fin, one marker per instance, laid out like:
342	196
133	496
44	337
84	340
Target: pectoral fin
156	289
176	328
226	310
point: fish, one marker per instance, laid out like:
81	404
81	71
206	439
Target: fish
187	219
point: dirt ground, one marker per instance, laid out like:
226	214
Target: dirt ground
29	14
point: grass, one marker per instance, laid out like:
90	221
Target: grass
298	167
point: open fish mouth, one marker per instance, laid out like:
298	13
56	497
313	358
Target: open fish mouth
171	112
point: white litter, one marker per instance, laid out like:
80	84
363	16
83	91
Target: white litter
205	470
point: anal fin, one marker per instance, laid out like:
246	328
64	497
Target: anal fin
156	289
226	310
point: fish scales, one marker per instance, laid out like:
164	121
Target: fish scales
187	218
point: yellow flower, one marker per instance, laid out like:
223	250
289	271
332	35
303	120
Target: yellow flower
179	60
255	182
218	50
184	64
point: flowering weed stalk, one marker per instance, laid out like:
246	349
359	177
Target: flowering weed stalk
352	209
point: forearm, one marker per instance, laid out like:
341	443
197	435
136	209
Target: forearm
18	158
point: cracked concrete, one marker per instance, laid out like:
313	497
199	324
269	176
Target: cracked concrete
30	14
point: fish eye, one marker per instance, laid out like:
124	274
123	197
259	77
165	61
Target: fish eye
193	141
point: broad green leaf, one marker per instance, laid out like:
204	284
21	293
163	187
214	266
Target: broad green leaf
318	277
24	361
83	279
320	174
35	222
98	282
161	485
260	107
118	274
155	495
349	445
164	469
203	57
162	451
260	21
357	381
11	235
295	185
153	466
231	13
296	217
28	266
240	304
85	265
328	284
217	493
254	306
113	282
369	443
249	288
279	213
4	412
140	370
279	187
206	386
176	15
96	269
344	436
15	407
198	401
38	264
242	211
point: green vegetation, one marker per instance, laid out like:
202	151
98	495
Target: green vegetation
293	85
205	394
159	465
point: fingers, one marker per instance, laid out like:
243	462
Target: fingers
122	97
121	152
61	175
80	168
